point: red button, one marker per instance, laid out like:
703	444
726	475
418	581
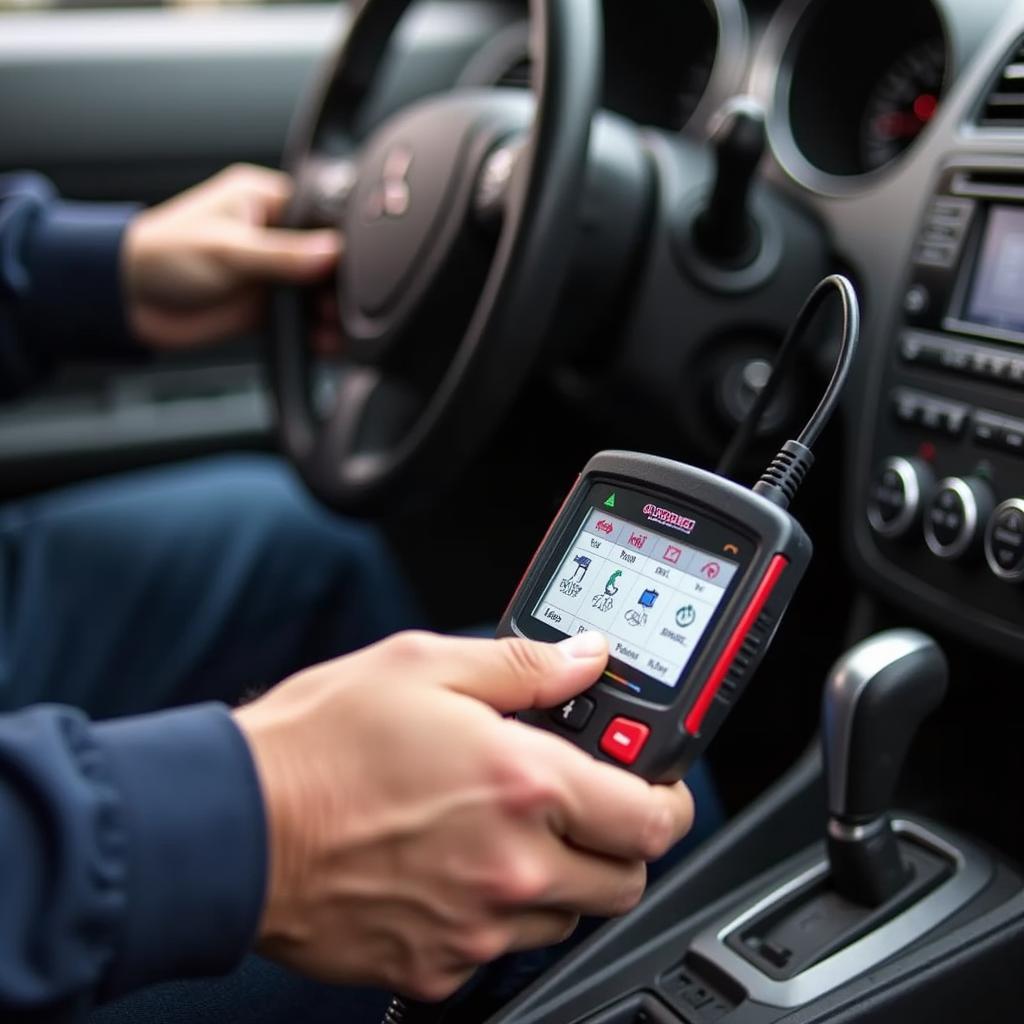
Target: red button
624	739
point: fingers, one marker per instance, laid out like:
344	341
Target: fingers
610	811
181	329
541	928
510	674
586	883
263	191
299	257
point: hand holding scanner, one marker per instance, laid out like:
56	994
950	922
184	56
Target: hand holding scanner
687	574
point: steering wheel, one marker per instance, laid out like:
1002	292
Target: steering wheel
444	300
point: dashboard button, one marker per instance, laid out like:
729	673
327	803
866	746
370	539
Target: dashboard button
916	300
906	406
919	348
992	431
954	418
624	739
953	517
936	255
987	430
1013	438
898	489
1004	541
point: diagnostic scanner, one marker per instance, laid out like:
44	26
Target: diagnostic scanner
687	574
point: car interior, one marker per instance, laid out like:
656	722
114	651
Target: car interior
579	225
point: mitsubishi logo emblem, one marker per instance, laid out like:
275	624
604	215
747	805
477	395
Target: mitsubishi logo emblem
390	197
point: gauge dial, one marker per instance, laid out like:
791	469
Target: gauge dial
902	102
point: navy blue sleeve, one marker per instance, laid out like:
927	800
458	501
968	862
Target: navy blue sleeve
131	852
60	279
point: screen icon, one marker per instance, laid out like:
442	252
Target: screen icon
582	565
611	587
686	616
647	598
672	554
710	570
604	526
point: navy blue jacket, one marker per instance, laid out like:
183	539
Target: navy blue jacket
130	851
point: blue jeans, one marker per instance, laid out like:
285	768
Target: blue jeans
204	581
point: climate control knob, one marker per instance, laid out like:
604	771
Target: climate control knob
1004	540
956	515
897	491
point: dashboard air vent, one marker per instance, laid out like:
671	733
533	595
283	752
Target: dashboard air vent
1004	105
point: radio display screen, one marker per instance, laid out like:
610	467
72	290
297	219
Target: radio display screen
996	296
653	595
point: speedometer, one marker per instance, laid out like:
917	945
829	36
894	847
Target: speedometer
902	102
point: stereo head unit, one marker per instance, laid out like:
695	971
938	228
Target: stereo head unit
968	264
943	496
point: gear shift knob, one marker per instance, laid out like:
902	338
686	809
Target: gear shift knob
876	696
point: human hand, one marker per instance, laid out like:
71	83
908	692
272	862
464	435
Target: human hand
416	834
197	267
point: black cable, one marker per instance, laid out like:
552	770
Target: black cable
783	362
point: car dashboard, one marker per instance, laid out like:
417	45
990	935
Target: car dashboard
894	153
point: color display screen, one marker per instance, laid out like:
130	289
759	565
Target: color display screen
651	594
997	293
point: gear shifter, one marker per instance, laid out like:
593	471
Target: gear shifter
876	696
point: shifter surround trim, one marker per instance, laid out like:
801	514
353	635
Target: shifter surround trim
972	871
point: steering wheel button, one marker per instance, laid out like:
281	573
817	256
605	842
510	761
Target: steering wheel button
623	739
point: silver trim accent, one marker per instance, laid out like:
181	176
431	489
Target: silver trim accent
847	680
771	77
970	528
972	329
1009	575
845	833
970	875
911	488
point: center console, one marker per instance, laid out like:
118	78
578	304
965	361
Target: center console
868	915
944	502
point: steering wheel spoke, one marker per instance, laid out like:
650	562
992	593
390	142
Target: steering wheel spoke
372	411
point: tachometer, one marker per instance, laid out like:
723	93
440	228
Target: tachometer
902	102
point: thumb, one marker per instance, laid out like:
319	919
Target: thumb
514	674
281	254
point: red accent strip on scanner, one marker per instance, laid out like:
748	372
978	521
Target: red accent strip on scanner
764	589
